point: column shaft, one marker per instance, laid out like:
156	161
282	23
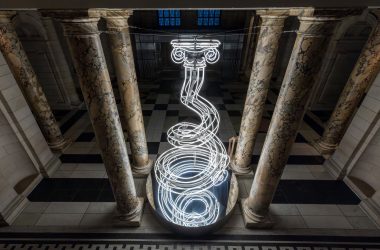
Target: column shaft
304	64
265	58
122	53
89	61
366	68
26	78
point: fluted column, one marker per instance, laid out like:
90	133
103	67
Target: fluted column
304	64
120	41
262	67
366	68
60	63
89	61
26	78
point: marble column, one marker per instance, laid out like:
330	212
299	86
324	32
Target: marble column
120	42
89	61
26	78
264	60
311	42
60	64
366	68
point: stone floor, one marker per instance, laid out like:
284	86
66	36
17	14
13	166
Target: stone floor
78	197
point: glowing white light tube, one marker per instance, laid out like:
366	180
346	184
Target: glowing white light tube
198	159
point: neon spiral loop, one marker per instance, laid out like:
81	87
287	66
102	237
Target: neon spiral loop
198	160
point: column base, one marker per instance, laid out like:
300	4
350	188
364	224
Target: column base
12	210
252	220
132	219
76	104
324	148
51	166
60	146
238	170
139	171
334	169
371	209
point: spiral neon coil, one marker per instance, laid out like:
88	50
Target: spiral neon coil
198	160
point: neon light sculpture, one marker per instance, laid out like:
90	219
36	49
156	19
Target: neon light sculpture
198	160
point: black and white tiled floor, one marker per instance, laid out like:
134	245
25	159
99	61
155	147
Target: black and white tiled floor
78	196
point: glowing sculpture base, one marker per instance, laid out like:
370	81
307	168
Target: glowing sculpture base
195	231
191	182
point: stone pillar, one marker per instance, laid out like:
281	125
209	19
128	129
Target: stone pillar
304	64
26	78
265	58
366	68
89	61
61	67
120	42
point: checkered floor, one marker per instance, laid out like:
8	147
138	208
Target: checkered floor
162	109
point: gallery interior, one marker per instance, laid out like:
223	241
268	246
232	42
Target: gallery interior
190	128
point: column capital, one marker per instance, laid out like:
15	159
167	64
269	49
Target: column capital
6	16
116	19
80	26
285	11
273	17
272	12
310	12
317	26
271	20
323	21
116	23
80	22
111	13
83	13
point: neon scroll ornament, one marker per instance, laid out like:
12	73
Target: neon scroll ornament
188	174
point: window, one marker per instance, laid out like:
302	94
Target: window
208	18
169	18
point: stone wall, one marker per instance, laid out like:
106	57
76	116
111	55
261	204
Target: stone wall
367	169
18	173
341	56
357	157
358	134
20	118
